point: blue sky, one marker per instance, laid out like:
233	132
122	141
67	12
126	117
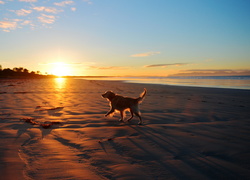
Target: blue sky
127	37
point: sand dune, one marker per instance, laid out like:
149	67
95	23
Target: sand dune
188	133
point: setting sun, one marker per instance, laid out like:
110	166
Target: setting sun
61	69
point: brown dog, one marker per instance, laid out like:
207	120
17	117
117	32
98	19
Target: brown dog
121	104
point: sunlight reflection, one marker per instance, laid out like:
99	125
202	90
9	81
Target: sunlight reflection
60	83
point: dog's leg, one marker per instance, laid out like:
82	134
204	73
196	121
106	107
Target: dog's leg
137	114
110	112
121	112
132	115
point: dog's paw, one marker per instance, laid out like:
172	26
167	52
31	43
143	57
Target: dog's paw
139	123
121	120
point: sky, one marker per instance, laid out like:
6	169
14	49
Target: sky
126	37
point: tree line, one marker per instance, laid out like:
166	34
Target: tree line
20	72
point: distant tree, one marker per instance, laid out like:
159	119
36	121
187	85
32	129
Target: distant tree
18	70
15	69
26	71
8	72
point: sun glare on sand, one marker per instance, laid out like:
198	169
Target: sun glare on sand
61	69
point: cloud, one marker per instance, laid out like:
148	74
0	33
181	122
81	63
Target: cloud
13	24
64	3
165	65
28	0
47	9
48	19
214	72
22	12
33	15
8	25
69	64
145	54
209	70
107	67
26	22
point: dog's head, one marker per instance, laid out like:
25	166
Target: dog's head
109	95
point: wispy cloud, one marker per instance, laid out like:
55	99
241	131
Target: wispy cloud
28	0
22	12
26	22
8	25
48	19
108	67
47	9
68	64
209	70
64	3
145	54
213	72
34	13
165	65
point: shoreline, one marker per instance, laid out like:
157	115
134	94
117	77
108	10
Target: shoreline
173	85
152	80
203	81
191	86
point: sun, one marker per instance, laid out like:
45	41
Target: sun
61	69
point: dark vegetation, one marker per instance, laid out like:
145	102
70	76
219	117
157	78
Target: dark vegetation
20	73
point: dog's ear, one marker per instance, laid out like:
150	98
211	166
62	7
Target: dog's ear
110	95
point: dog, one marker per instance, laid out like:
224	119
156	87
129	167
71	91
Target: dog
121	104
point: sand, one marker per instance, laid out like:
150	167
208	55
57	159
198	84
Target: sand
56	129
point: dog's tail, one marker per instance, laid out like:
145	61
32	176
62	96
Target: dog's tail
142	95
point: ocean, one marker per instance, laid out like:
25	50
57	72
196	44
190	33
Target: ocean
232	82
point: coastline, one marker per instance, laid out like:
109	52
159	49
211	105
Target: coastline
228	82
225	82
188	132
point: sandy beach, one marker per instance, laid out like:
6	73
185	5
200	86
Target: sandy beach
56	129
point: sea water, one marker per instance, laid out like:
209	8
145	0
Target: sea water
232	82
